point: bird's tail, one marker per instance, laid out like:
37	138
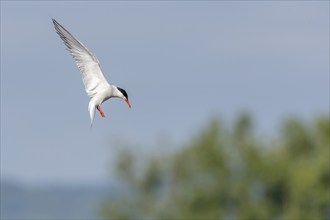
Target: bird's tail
91	109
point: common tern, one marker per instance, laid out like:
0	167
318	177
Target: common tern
96	86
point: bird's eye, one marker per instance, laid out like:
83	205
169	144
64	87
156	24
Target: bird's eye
123	92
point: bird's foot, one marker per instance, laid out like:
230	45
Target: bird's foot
100	110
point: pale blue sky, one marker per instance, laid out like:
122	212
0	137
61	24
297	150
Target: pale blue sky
180	62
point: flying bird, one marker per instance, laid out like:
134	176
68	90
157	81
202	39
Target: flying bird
96	86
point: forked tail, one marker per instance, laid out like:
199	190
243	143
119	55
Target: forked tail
91	109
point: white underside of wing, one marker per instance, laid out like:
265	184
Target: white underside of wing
87	62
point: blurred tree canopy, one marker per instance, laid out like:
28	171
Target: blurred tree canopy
227	172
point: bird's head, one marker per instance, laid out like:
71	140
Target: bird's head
123	95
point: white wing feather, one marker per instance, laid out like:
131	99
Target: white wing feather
87	62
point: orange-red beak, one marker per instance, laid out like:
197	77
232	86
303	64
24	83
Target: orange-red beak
129	104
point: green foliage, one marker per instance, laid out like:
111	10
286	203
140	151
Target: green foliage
230	173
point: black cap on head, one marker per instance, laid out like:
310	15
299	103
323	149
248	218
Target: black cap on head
123	92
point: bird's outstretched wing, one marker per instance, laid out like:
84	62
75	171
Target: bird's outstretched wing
87	62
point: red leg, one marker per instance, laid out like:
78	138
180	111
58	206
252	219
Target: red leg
100	110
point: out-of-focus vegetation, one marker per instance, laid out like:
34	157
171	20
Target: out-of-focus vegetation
228	172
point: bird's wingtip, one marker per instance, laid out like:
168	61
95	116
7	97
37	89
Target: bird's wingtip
54	21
